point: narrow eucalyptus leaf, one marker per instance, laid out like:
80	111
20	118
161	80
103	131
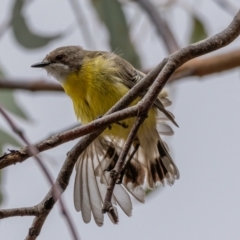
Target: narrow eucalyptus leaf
23	33
198	31
112	15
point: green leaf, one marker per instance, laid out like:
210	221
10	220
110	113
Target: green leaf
21	31
1	73
7	100
112	15
198	31
5	138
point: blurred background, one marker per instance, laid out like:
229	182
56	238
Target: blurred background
204	203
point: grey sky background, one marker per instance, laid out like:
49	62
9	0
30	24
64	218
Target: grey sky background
204	203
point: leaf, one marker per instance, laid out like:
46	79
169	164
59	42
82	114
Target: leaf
111	13
1	73
198	31
21	31
5	138
7	100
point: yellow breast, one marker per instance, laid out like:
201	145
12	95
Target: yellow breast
94	90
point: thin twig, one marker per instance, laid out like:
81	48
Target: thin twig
161	25
107	205
34	153
14	212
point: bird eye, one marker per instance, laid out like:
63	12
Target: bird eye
59	57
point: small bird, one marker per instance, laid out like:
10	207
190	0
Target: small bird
95	81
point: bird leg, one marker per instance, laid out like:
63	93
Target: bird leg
122	124
136	146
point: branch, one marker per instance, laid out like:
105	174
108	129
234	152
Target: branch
20	212
205	66
107	205
161	25
18	156
33	86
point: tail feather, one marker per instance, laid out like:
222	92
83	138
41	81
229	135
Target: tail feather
162	169
167	161
91	184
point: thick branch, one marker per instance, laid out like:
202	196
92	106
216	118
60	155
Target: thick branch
208	65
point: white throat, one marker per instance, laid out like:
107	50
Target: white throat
58	70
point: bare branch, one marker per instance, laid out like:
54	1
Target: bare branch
39	85
107	205
205	66
22	154
19	212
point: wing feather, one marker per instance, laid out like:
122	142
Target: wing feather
85	200
94	194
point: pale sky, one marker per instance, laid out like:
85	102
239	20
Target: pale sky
202	204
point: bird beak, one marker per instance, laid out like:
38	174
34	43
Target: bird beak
41	64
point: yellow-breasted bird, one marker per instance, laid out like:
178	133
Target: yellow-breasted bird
95	81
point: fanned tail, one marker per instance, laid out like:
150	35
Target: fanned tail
91	184
149	164
162	168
